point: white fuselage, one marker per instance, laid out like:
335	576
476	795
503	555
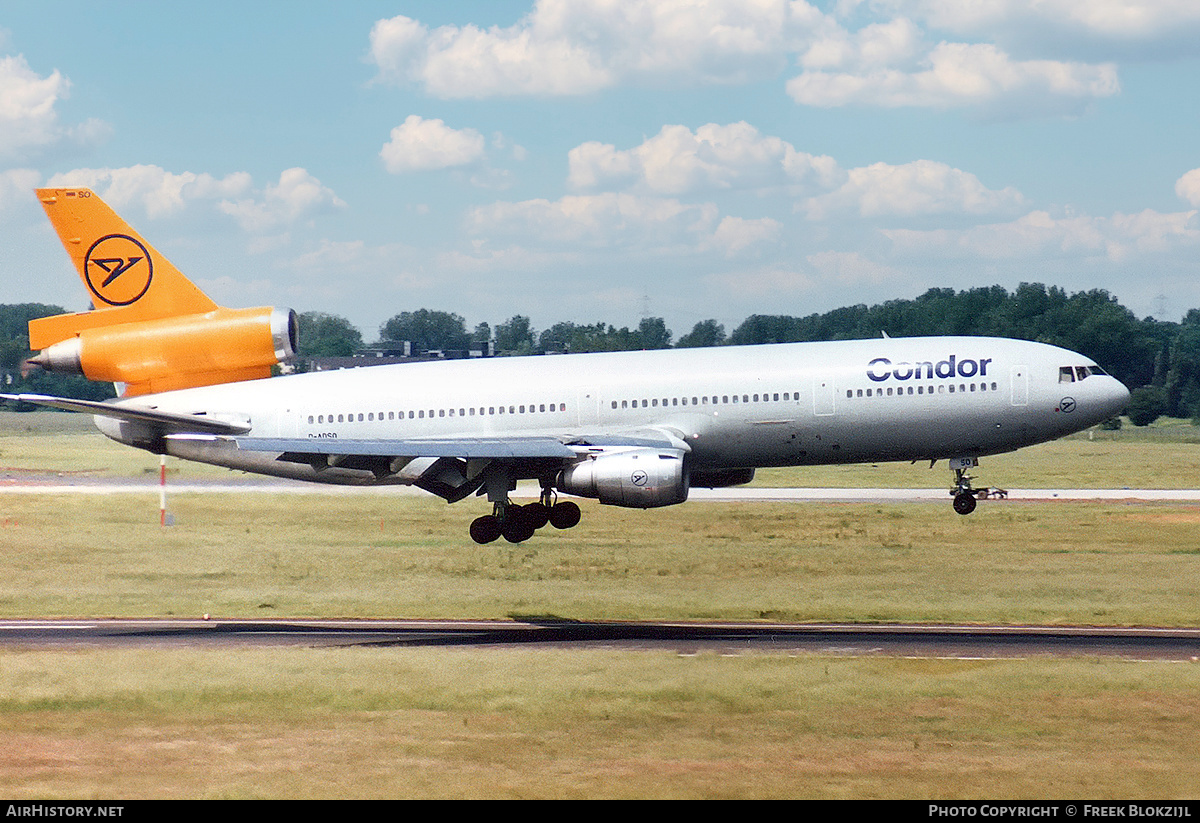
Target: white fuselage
734	407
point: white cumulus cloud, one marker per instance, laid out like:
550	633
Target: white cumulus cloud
1188	187
734	234
158	192
27	116
16	188
419	144
1101	20
879	44
28	120
599	220
714	157
296	196
1039	234
850	268
956	75
573	47
621	222
922	187
565	47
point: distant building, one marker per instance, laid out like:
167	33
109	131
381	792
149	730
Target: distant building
389	352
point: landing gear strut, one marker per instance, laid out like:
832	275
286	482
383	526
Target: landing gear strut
964	495
516	524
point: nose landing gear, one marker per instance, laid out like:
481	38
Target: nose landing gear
965	496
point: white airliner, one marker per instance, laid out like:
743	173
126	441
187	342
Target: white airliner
634	429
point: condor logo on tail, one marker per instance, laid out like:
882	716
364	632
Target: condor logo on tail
108	259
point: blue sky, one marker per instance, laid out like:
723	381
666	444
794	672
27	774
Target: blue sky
595	160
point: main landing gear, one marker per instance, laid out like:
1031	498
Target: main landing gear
516	524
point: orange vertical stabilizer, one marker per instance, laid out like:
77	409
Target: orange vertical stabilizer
127	279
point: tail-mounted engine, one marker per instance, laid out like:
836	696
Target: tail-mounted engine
220	346
636	478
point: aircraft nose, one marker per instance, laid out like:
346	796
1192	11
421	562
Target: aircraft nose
1116	397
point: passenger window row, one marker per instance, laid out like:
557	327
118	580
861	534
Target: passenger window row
706	400
422	414
943	388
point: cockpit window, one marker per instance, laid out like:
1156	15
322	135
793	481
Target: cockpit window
1069	374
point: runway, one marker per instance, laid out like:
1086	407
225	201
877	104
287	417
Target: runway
682	637
31	483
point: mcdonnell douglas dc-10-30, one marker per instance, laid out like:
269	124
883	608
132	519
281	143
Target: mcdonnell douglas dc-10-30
634	429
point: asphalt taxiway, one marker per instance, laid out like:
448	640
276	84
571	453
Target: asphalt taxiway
928	641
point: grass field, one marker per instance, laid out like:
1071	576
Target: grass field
371	555
390	722
582	723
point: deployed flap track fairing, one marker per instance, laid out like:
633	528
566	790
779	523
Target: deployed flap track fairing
633	429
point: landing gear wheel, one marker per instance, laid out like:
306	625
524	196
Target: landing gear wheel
965	498
485	529
538	513
516	524
519	524
564	515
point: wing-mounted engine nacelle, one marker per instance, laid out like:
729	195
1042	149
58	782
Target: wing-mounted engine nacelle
635	478
221	346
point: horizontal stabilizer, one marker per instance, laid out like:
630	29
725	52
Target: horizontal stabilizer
172	421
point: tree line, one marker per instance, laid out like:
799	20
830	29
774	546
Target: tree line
1159	360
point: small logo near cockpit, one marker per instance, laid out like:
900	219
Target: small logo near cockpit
1066	405
118	269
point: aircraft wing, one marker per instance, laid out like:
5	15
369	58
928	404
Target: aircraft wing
172	421
450	467
466	447
566	447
